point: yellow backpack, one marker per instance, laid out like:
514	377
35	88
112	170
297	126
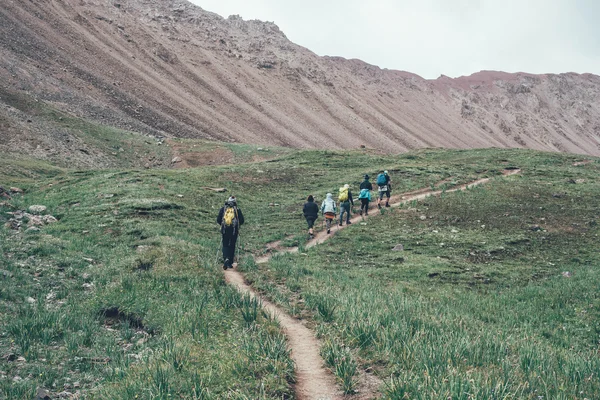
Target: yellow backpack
229	217
343	196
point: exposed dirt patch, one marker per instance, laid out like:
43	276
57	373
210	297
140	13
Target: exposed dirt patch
191	157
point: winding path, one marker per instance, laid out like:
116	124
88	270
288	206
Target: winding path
313	380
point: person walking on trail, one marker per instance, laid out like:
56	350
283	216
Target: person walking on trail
329	210
365	195
230	218
311	213
384	183
345	199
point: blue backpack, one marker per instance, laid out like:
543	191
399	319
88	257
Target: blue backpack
381	180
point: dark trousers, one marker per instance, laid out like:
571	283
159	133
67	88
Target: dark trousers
364	205
229	242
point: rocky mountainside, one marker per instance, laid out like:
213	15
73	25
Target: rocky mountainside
167	68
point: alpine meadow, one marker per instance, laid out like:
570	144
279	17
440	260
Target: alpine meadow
195	207
494	294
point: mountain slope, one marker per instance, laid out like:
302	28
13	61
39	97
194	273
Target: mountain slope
168	68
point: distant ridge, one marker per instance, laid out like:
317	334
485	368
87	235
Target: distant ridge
171	69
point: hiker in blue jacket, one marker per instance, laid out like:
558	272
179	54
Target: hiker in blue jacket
365	195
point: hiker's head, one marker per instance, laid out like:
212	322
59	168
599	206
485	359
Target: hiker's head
385	172
231	201
310	198
329	196
346	186
366	177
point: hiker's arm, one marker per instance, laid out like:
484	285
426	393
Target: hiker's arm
240	217
220	216
350	198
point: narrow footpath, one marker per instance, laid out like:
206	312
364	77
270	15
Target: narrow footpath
313	380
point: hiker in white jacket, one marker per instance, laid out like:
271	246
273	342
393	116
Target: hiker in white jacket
329	210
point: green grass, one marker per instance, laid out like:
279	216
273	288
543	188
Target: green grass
476	306
127	298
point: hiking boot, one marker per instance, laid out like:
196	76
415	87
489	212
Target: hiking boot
225	267
328	230
349	223
360	212
379	206
387	204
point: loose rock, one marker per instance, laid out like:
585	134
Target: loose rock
37	209
398	247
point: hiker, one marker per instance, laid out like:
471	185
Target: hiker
345	199
385	188
365	195
230	218
311	213
329	210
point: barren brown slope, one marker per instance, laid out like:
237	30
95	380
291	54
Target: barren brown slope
168	68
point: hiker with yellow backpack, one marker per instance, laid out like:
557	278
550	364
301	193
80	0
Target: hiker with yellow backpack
230	218
345	199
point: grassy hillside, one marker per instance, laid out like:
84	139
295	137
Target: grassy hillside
123	296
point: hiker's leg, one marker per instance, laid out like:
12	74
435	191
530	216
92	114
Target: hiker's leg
348	208
225	247
342	209
387	194
328	224
366	206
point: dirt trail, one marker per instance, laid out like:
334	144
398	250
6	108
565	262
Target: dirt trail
314	381
395	201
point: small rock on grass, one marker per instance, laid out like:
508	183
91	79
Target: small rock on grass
42	394
398	247
37	209
567	274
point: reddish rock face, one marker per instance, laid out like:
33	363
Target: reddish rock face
175	70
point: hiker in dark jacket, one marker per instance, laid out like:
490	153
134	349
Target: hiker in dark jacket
345	206
311	213
230	218
365	195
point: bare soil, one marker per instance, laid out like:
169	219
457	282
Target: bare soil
314	381
170	69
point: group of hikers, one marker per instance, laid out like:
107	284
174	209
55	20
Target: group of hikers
328	206
230	217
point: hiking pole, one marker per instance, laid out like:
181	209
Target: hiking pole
237	250
219	248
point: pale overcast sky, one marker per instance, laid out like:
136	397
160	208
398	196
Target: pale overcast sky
434	37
